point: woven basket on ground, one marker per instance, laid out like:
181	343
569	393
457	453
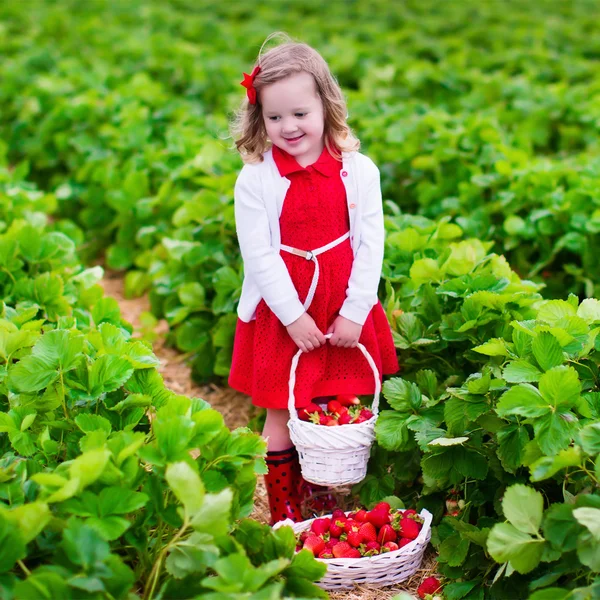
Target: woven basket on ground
380	570
333	456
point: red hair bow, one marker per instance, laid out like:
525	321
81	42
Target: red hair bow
249	84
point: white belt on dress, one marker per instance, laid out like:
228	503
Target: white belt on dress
312	255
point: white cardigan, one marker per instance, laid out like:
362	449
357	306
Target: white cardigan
259	195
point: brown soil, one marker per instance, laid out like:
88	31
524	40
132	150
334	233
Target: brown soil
237	411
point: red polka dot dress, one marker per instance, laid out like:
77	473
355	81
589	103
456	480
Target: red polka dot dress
314	213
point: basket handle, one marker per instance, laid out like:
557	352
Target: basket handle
292	384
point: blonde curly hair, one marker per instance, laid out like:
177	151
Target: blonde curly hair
248	128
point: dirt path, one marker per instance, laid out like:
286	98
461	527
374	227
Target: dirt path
237	411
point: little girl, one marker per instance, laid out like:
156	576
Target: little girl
309	222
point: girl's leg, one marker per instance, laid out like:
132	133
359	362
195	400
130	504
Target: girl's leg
276	430
284	470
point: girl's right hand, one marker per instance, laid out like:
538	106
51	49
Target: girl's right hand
305	333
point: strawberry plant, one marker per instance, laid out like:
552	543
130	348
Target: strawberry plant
111	485
499	387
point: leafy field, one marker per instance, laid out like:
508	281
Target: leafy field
484	118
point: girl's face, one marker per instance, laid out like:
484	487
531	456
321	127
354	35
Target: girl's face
292	111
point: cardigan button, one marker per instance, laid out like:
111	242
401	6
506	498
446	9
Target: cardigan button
344	173
353	206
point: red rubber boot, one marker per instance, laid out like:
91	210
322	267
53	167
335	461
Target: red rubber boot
281	482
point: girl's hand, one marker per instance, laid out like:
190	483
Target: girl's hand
305	333
346	333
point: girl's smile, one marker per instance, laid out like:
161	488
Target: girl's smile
293	116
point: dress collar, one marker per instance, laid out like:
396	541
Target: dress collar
326	164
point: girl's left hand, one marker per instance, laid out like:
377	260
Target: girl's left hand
346	333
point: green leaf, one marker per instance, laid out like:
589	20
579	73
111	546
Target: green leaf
523	399
88	423
305	565
560	386
120	501
552	593
554	431
194	555
523	507
42	586
192	294
30	518
590	518
403	396
507	544
84	546
590	438
547	351
12	544
552	311
521	371
214	516
109	528
548	466
453	550
512	440
108	374
391	430
493	347
425	270
186	485
561	528
589	310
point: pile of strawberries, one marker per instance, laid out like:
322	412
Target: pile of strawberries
360	533
345	410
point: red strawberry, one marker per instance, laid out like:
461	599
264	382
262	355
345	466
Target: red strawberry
404	541
371	549
323	419
303	415
366	414
408	512
336	528
359	419
430	586
348	399
386	534
389	547
332	542
409	529
334	407
302	537
338	513
345	419
320	526
368	533
345	550
361	515
349	524
354	538
332	422
382	506
315	544
379	518
326	553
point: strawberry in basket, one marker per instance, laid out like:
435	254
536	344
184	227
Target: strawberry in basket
361	533
345	410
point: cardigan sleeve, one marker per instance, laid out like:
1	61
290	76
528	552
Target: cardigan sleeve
361	294
261	261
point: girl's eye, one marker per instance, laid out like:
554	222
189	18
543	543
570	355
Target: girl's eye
299	114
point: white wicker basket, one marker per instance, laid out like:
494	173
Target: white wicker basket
380	570
333	456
